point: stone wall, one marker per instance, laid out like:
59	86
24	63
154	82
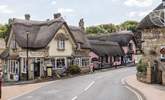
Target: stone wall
153	40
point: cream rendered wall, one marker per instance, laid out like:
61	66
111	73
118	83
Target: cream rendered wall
69	45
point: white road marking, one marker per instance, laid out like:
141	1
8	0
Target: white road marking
74	98
123	81
137	94
89	85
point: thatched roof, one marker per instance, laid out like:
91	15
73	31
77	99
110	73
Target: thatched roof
80	36
103	48
41	32
122	38
148	22
4	54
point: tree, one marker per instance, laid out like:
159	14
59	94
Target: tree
109	28
105	28
4	30
94	30
129	25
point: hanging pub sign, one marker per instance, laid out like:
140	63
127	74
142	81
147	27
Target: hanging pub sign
162	51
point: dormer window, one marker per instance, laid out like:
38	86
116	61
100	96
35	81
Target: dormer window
61	44
61	38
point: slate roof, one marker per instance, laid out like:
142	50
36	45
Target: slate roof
147	23
103	48
80	37
41	32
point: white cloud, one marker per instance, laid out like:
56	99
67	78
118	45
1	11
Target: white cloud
138	14
5	9
139	3
65	10
53	2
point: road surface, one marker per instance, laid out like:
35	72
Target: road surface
106	85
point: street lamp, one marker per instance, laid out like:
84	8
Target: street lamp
27	54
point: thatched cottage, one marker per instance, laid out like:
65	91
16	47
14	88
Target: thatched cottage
38	48
105	54
126	41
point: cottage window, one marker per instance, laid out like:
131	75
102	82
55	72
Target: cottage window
85	62
77	61
116	58
9	62
60	63
61	44
24	64
13	66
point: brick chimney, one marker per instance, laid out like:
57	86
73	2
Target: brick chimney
81	24
57	15
27	16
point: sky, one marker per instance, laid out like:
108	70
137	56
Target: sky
94	12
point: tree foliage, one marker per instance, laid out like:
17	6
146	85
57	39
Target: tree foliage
4	30
109	28
129	25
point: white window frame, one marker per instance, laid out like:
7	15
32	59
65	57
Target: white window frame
77	61
60	61
61	44
85	62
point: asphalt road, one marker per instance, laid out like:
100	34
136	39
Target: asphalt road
105	85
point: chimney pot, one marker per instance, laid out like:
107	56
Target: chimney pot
57	15
81	24
27	16
10	21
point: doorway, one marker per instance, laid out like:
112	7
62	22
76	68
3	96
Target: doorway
36	69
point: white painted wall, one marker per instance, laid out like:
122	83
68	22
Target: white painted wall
69	45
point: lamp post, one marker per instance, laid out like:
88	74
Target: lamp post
27	54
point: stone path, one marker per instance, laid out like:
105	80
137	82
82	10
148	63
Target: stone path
16	90
150	91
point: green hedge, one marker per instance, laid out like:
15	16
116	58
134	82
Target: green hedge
142	66
74	69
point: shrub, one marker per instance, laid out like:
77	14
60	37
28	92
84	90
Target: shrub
142	66
74	69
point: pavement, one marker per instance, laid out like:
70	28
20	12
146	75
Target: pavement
106	85
16	90
150	91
